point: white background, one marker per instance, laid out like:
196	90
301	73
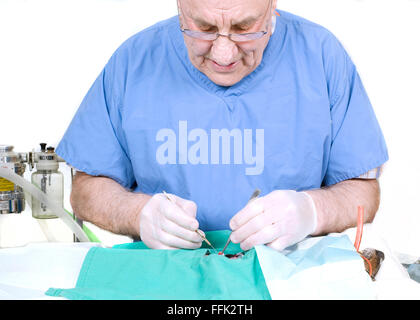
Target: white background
51	51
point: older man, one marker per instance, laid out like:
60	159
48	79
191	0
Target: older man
224	98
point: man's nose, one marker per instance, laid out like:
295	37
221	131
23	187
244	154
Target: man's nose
224	50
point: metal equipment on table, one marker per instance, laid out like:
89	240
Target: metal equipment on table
45	191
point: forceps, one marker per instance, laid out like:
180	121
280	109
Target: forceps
254	195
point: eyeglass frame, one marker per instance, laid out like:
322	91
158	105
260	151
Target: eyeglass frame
216	35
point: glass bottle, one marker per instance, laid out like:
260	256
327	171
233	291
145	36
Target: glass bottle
50	180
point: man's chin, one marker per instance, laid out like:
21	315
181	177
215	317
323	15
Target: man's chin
225	80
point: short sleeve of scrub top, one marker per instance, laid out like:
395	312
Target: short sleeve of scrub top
94	142
357	144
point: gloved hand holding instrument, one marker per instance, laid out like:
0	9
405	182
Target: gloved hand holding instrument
279	219
168	222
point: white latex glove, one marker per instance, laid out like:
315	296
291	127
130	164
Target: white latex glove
279	219
166	224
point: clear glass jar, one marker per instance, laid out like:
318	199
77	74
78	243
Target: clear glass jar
52	183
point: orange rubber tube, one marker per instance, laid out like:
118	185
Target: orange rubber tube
359	232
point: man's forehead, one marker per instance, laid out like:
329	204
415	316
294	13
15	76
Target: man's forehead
239	11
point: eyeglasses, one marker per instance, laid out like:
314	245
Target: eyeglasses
235	37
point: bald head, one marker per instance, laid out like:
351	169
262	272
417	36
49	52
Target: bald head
222	60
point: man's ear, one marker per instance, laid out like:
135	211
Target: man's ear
179	14
274	6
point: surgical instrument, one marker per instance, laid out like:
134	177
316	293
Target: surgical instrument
254	195
202	237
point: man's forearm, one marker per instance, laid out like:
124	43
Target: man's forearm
337	205
105	203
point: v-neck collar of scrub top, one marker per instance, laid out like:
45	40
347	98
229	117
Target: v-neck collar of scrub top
239	88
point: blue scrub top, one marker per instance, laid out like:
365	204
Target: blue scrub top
152	121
